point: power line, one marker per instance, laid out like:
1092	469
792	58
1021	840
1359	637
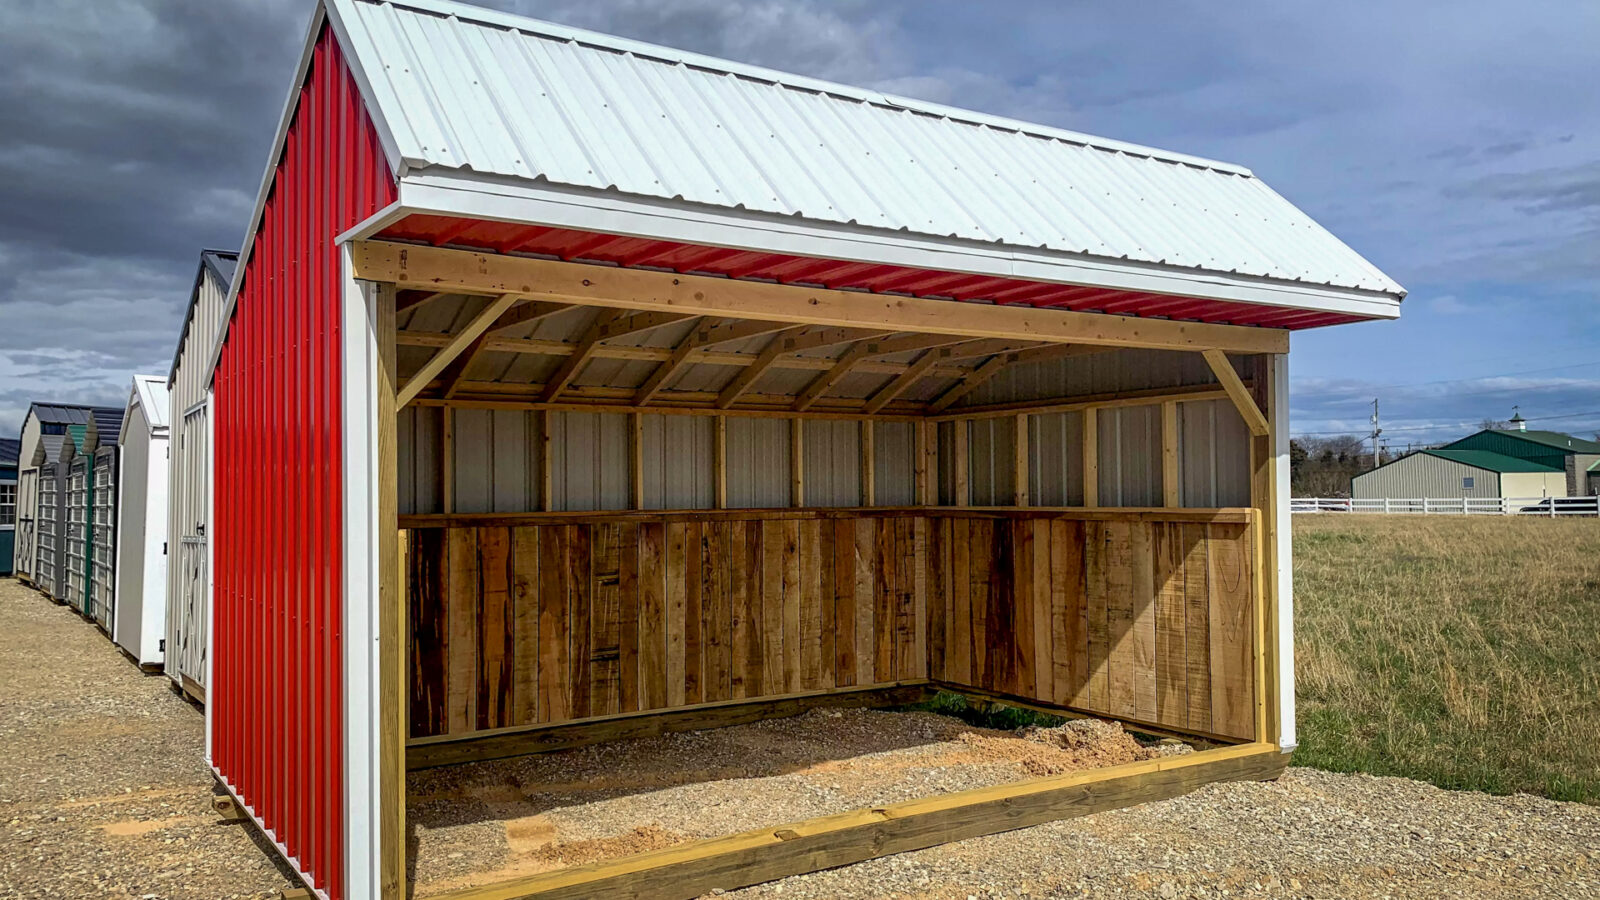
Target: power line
1443	425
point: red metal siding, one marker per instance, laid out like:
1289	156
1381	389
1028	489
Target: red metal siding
276	698
502	237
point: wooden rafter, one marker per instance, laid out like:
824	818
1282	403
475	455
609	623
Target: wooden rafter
786	344
457	345
640	322
455	375
436	268
863	351
706	336
925	364
413	299
580	357
979	376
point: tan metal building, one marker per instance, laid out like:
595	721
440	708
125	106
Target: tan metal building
1459	473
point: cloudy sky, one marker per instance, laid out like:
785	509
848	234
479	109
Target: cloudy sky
1459	150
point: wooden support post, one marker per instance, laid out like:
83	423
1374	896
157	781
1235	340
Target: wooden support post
391	686
1091	457
720	462
926	466
1171	494
1020	461
447	461
797	462
963	466
869	466
636	459
547	467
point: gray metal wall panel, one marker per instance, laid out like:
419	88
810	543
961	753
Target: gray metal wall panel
420	435
758	462
589	460
1421	475
1130	456
992	460
1055	459
1099	373
894	458
832	463
1213	455
678	461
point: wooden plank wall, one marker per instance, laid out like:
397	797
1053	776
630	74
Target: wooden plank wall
531	624
1145	621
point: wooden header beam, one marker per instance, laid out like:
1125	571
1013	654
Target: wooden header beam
463	271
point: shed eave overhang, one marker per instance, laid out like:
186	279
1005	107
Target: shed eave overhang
470	195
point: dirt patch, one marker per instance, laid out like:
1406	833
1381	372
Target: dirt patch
138	827
489	822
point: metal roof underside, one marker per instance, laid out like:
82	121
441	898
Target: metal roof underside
482	94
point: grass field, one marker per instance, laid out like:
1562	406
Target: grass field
1465	653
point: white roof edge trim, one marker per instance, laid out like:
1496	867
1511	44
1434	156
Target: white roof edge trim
391	150
509	200
601	40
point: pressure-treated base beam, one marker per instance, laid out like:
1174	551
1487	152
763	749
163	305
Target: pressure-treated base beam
697	868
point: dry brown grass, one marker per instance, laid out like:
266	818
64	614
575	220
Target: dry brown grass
1464	652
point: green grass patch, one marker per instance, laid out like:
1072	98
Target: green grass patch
1463	652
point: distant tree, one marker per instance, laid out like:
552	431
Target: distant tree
1322	466
1494	425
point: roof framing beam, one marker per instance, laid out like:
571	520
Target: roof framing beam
458	344
787	344
455	375
580	357
437	268
696	341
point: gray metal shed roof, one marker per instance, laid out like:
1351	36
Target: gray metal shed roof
460	90
221	264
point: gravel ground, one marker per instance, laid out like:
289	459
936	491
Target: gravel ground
103	793
490	822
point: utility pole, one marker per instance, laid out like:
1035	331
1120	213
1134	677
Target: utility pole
1377	459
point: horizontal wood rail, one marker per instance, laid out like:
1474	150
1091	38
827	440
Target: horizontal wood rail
503	743
736	861
1234	515
463	271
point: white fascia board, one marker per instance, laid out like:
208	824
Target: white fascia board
456	193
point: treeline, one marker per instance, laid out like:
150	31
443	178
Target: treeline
1323	466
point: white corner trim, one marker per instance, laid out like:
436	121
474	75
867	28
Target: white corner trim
1279	405
361	576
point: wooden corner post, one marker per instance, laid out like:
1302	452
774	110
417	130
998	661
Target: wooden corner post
391	690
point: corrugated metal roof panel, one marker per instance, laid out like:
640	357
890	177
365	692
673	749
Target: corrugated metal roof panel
469	89
152	393
1490	461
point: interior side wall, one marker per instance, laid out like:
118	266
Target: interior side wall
275	703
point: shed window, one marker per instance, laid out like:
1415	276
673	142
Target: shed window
8	504
1466	482
52	428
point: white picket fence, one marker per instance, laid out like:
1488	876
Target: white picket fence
1549	507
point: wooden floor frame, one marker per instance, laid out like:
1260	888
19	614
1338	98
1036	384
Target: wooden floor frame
753	857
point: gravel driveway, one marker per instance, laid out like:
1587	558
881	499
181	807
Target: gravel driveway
103	794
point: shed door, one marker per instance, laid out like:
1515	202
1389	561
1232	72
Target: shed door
27	522
103	538
186	628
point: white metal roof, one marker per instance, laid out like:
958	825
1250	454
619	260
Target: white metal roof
479	94
151	393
